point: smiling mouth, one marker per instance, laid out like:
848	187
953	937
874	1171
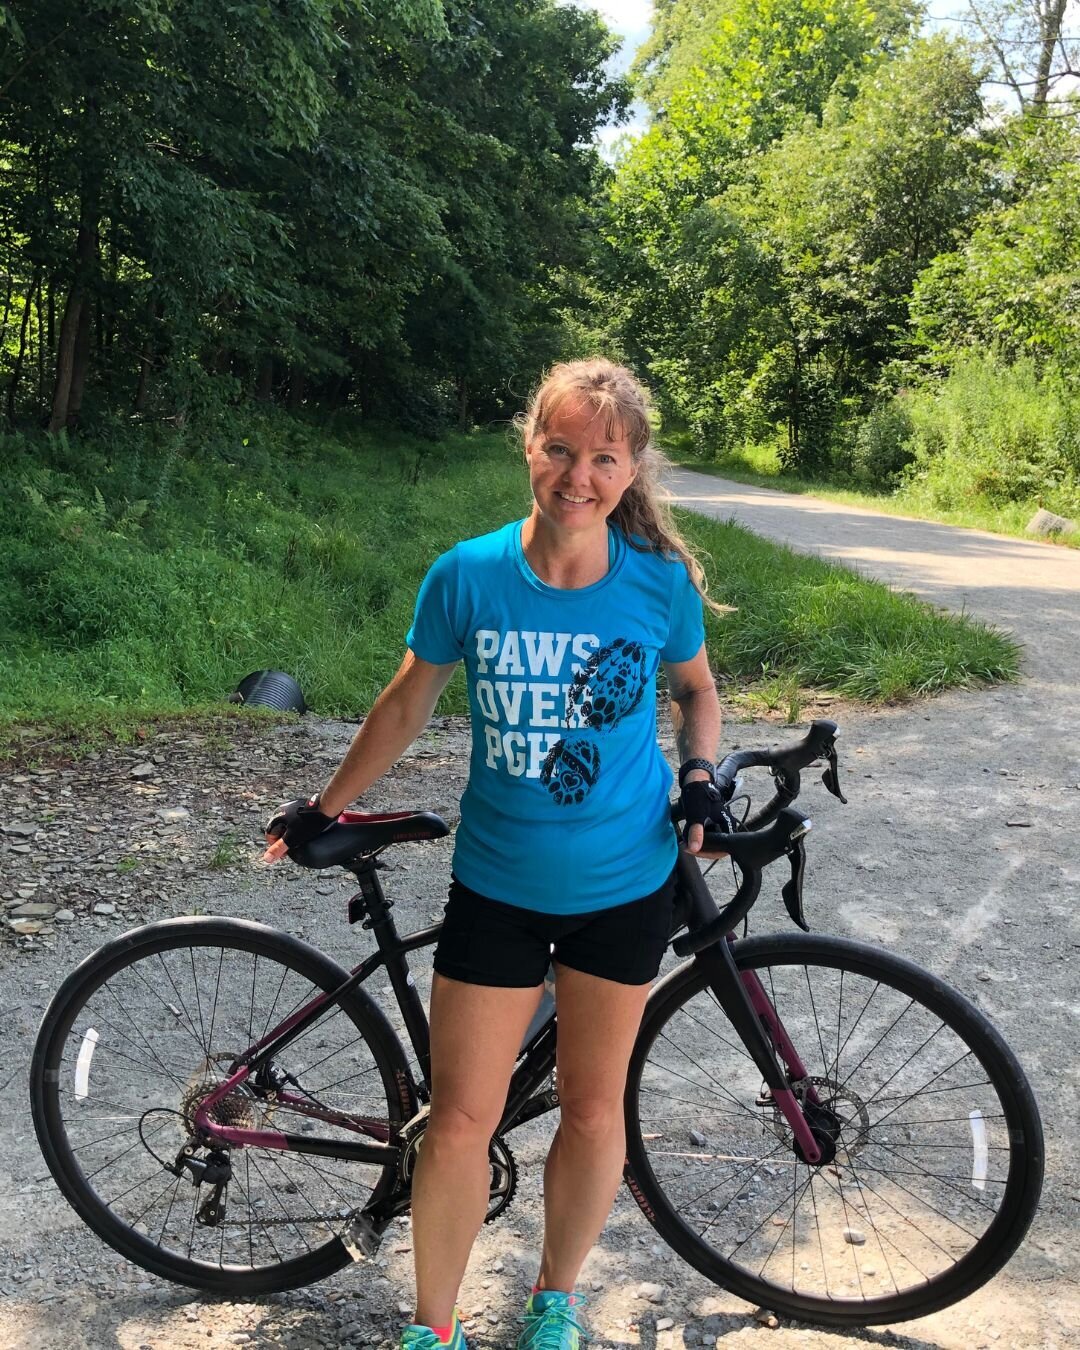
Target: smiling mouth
574	501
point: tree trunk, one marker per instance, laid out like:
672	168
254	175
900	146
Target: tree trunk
42	348
85	254
16	373
8	292
80	367
146	358
1051	17
264	383
463	403
296	387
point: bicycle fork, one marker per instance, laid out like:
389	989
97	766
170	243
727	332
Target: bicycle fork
747	1006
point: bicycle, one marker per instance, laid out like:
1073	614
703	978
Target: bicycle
819	1126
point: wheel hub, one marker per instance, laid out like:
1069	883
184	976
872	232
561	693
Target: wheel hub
838	1120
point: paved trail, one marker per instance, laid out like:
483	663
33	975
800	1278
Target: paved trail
1029	588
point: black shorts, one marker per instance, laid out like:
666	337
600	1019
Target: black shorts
489	942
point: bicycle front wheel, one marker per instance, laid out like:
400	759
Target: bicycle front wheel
136	1038
936	1143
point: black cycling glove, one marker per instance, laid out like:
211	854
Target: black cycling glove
703	805
298	822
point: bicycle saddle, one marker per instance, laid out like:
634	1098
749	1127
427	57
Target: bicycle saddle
359	832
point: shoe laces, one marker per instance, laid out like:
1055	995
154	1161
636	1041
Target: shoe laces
550	1324
423	1338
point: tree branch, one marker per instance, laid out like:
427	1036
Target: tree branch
33	57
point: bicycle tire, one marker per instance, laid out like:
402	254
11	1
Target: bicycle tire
764	1242
150	1046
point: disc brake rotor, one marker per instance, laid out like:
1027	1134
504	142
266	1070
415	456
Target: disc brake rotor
849	1109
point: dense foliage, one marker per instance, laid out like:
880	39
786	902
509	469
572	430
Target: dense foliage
317	201
827	231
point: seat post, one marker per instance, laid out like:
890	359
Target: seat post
371	901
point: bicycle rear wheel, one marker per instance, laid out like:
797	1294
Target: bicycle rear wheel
938	1145
135	1039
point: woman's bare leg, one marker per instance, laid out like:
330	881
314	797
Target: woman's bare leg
476	1032
598	1023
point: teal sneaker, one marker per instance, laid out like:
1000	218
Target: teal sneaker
423	1338
551	1322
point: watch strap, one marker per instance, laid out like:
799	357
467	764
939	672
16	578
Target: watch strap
689	765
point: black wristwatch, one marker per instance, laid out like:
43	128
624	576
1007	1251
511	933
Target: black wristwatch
691	764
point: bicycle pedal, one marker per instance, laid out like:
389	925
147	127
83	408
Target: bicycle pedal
360	1237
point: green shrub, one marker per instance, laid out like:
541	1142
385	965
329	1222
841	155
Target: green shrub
279	548
881	445
998	432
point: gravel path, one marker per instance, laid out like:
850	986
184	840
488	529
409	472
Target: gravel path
924	859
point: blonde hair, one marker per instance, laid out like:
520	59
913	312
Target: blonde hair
643	516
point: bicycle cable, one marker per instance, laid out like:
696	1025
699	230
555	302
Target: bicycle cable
742	797
158	1111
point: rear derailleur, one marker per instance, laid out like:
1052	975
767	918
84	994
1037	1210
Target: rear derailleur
215	1171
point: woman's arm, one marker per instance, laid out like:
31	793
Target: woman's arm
696	717
399	715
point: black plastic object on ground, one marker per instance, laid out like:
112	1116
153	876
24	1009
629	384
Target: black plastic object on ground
269	689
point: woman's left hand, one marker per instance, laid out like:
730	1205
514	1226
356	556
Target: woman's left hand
702	805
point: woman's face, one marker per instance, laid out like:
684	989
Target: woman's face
577	471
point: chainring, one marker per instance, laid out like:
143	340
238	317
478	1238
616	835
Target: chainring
504	1171
504	1178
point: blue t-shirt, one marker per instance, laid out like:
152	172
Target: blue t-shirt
566	808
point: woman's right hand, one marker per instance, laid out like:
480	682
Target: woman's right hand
298	822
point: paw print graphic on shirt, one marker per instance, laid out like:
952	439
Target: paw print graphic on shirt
571	768
609	686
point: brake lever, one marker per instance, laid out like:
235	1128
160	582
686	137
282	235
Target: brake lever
792	890
831	776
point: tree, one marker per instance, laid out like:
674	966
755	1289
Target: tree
319	200
1014	285
1028	41
787	292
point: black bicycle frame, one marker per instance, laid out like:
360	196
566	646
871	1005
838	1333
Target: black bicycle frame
737	996
524	1100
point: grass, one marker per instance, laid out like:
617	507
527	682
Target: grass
804	622
226	853
146	579
758	465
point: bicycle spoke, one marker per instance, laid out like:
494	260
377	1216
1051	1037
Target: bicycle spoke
918	1091
817	1023
170	1024
217	994
731	1045
198	1002
153	1054
906	1221
925	1184
739	1185
742	1106
698	1106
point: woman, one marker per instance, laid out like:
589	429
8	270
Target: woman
565	843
